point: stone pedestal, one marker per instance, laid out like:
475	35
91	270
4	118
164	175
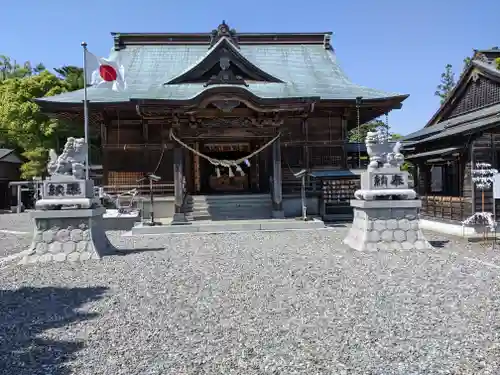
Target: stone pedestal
386	225
68	235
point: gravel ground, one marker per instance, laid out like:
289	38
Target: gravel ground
254	303
11	243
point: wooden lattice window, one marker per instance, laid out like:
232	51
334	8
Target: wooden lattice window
478	94
131	160
292	156
125	135
326	156
123	178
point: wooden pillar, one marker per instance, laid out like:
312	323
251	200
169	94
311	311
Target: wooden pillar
188	172
277	193
179	216
104	153
425	174
196	162
307	164
254	167
19	200
417	170
346	140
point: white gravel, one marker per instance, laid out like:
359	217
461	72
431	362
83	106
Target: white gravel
254	303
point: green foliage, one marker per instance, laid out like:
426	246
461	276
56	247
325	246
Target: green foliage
497	63
447	83
72	75
396	136
359	137
11	69
22	124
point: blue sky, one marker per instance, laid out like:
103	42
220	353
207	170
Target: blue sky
399	46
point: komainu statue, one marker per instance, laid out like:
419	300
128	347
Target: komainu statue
71	162
380	152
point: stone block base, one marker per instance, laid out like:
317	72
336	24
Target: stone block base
68	235
179	218
391	228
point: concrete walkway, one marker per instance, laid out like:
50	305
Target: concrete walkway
208	226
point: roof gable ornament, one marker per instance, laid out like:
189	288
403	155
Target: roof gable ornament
226	74
223	31
224	64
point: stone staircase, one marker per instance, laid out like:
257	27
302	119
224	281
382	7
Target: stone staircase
228	207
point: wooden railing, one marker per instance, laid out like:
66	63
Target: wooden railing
293	185
446	207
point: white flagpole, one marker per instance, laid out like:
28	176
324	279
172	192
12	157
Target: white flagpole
86	112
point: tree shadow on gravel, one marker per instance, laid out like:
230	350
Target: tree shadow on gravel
438	243
26	313
125	252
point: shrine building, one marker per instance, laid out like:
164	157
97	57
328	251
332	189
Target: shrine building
453	152
269	104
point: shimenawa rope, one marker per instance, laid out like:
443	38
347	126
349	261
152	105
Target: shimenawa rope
225	163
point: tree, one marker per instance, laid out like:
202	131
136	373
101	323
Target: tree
359	137
11	69
467	61
447	83
23	125
73	76
371	126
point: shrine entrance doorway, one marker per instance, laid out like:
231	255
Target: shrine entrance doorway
220	180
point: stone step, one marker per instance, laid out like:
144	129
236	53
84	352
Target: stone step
259	213
215	201
232	206
227	207
228	213
263	203
203	198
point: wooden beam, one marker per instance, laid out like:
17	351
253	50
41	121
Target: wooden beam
214	112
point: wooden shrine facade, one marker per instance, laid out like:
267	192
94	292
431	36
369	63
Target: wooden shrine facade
463	132
224	95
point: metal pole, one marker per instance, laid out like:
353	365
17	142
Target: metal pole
19	200
152	214
358	104
86	112
303	197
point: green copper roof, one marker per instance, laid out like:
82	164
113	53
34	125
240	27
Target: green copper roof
305	70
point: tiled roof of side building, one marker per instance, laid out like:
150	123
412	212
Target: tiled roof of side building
8	155
306	70
4	152
464	124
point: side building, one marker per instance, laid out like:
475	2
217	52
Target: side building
195	98
463	132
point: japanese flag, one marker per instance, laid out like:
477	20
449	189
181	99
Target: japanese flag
105	73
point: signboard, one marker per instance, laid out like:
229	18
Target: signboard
67	189
388	181
496	186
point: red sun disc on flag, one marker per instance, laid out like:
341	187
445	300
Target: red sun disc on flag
107	73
